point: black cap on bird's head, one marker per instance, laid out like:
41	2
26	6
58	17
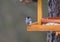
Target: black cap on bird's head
28	17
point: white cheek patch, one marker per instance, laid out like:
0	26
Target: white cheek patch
30	22
51	23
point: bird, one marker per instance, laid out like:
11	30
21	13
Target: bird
28	20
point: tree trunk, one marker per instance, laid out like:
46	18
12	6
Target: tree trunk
53	8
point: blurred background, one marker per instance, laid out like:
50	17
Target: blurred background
12	23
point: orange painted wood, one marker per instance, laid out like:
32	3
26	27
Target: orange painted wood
36	27
46	20
39	13
43	28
